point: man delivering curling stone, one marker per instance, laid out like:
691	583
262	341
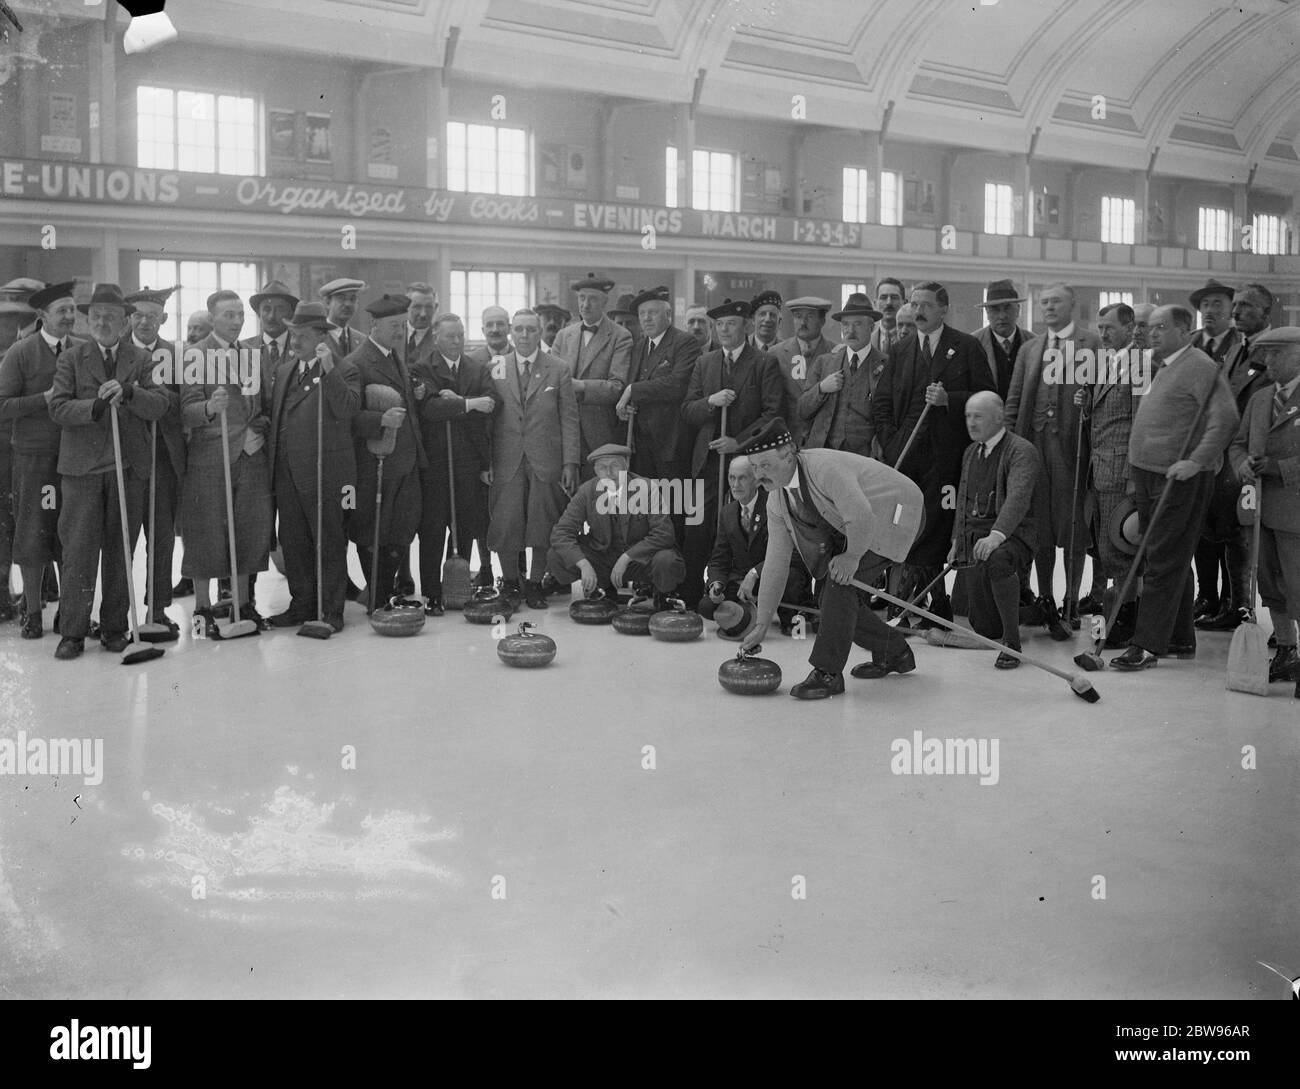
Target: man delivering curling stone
849	516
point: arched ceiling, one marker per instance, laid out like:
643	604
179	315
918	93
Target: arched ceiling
1214	86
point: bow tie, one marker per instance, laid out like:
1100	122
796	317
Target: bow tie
590	328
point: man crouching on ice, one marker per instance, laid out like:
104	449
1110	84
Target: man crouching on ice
849	516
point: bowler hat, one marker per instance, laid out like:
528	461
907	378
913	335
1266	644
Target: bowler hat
622	308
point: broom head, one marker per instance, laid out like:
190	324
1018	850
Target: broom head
1248	660
457	587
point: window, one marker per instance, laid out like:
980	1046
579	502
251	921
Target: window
488	159
1110	298
1214	229
1117	218
193	130
848	289
855	195
891	198
474	290
1268	234
198	280
715	180
997	209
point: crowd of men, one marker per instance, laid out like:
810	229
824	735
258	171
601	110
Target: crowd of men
541	445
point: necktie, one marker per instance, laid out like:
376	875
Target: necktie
345	341
60	348
853	363
1054	342
109	363
795	497
1245	348
1279	403
273	350
411	345
1006	347
925	349
746	521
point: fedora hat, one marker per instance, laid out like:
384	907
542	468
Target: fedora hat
106	295
733	618
309	315
274	290
1123	528
1212	287
858	306
622	308
1001	291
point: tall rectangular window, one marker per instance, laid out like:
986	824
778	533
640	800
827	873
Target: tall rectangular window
197	130
198	280
715	180
1268	234
1214	229
488	159
1110	298
998	218
891	198
1117	219
856	192
474	290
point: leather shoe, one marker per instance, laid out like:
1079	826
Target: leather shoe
7	611
552	587
115	643
32	626
1133	659
1091	604
902	662
288	619
1205	606
184	588
434	607
1007	661
534	596
1283	666
69	648
335	621
819	685
1052	620
510	591
1230	619
1184	652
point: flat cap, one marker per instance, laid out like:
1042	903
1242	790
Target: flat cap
388	306
343	283
593	283
655	294
39	300
809	302
609	450
1282	334
729	309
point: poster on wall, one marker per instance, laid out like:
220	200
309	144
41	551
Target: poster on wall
282	133
575	175
380	161
319	149
61	136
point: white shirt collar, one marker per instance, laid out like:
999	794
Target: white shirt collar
277	341
140	343
748	508
419	334
387	351
529	359
794	480
53	342
991	443
452	364
1170	358
934	337
654	341
1062	334
1288	391
221	343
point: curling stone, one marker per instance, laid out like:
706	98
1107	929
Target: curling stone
744	675
526	649
488	610
597	609
400	617
676	625
632	622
